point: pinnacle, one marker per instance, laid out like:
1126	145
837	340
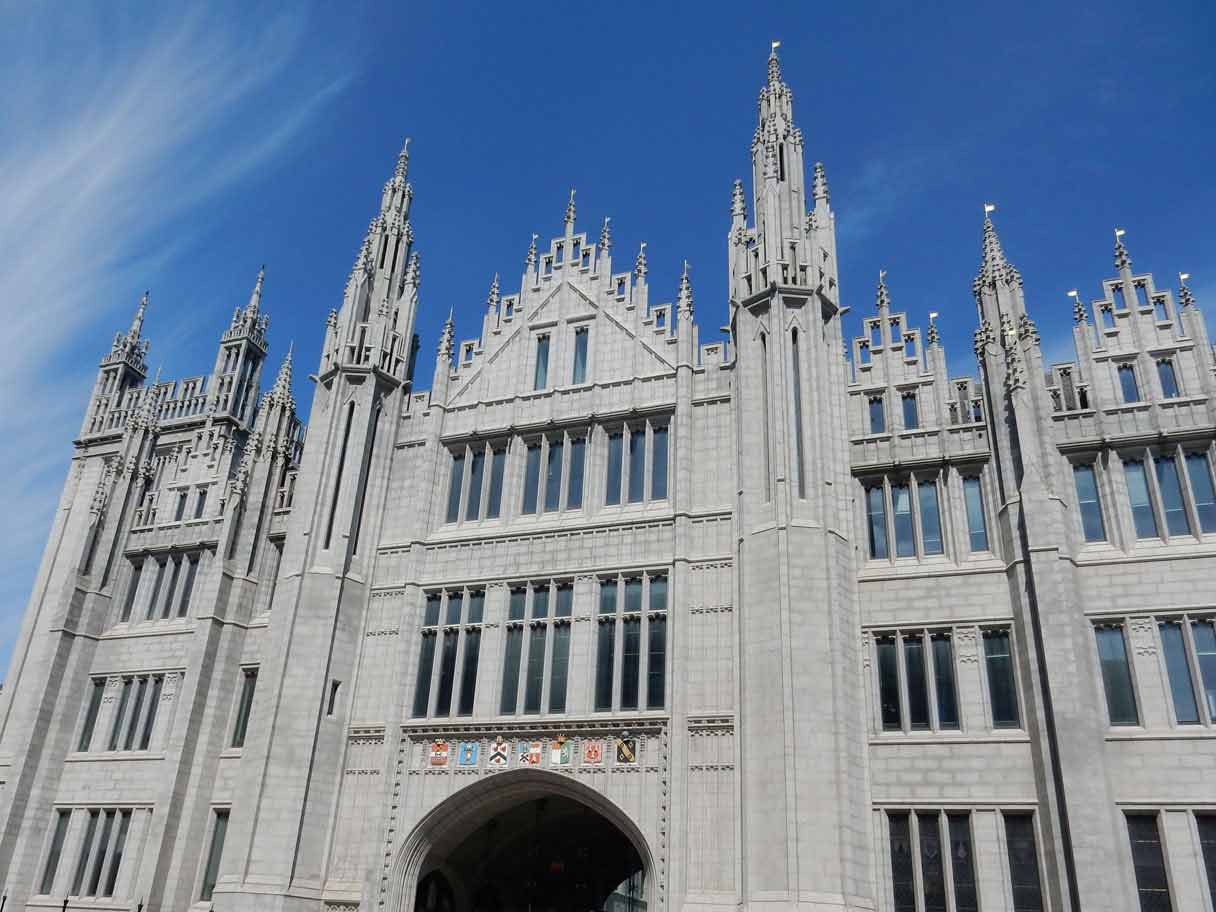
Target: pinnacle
994	266
738	202
883	298
532	252
819	186
1184	292
445	339
639	266
684	299
403	162
570	212
494	297
606	234
774	65
282	383
1122	260
255	298
137	324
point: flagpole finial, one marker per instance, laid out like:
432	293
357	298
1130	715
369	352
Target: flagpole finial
989	208
773	45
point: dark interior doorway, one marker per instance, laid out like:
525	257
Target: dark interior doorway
549	854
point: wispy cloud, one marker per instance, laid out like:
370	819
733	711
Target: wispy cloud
114	128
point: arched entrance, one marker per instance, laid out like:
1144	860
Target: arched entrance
524	841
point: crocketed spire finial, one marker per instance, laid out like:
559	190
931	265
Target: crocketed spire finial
403	161
819	185
883	299
606	234
639	267
994	266
1122	260
738	202
281	391
137	324
1184	292
570	212
532	252
1078	307
445	338
934	337
684	299
774	65
413	270
494	297
255	297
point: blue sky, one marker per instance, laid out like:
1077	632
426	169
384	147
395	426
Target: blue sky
145	148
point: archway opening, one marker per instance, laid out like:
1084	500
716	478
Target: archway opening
545	854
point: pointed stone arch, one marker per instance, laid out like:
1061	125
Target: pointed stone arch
452	820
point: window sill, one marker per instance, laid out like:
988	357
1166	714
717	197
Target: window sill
951	737
1181	733
105	756
231	753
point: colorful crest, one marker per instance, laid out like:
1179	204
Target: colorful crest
468	753
560	752
593	751
499	755
530	752
626	750
439	753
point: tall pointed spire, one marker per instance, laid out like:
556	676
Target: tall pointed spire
1184	291
1122	260
639	266
494	297
994	266
403	162
774	65
413	270
1078	307
255	297
570	213
738	202
606	235
819	185
532	252
684	298
445	339
137	324
281	391
882	299
934	336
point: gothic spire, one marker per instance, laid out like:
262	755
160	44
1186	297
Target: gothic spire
403	162
738	202
413	269
494	297
137	324
1184	291
445	339
570	213
532	252
606	235
819	186
883	300
774	65
281	391
994	265
639	267
255	298
1122	260
934	338
1078	307
684	299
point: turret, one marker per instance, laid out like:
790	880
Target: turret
122	368
238	363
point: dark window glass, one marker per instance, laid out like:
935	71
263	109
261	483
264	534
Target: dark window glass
918	697
631	662
1137	494
616	452
519	604
1000	679
1127	382
120	842
332	704
531	477
103	845
536	668
1204	635
200	504
141	691
477	607
888	683
1169	381
430	614
911	416
90	716
901	509
167	602
1117	676
932	867
878	421
180	513
658	464
145	737
510	670
212	872
962	863
120	715
564	605
456	481
542	363
553	476
1178	666
637	464
574	485
447	672
498	463
977	526
455	607
903	880
559	664
796	358
86	848
605	641
656	662
52	858
1207	844
188	586
943	676
540	602
930	517
580	355
132	587
476	470
633	595
1088	503
156	588
1023	863
1148	860
877	514
468	676
426	663
1200	474
1170	485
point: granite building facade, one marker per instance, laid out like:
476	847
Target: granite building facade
613	617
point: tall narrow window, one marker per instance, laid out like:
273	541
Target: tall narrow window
120	842
180	512
800	459
1170	486
52	859
498	462
631	651
333	506
553	475
1169	380
876	513
911	414
472	650
1199	472
531	477
426	665
962	863
510	669
637	464
103	847
616	454
90	716
903	877
930	517
604	645
542	362
157	582
656	658
1128	384
454	486
132	588
141	692
1023	863
658	462
977	525
120	714
1178	667
581	335
1152	882
559	665
200	505
764	416
1001	687
245	707
476	470
183	604
1088	503
1207	844
447	671
1117	676
901	510
878	420
574	480
943	677
1204	635
914	667
86	850
145	738
888	683
167	601
932	865
1138	496
211	872
536	668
